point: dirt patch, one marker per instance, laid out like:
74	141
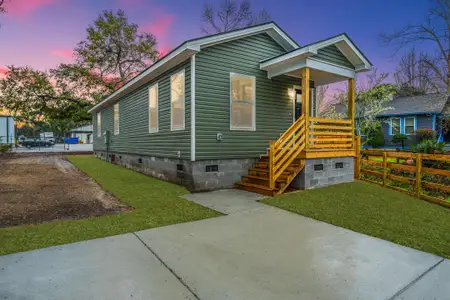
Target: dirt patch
41	188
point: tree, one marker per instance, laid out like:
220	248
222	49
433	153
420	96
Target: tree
375	137
412	75
113	50
372	97
36	97
435	30
231	15
2	8
400	138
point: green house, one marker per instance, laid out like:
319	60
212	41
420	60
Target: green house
228	110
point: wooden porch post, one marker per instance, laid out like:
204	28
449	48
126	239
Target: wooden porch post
305	102
351	103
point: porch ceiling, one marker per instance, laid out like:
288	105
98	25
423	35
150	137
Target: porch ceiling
319	77
321	72
326	67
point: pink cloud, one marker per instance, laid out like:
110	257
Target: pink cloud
160	29
64	53
163	50
160	26
24	7
3	72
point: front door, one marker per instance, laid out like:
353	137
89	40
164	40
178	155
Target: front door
298	103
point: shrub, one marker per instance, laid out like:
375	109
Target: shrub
426	134
375	137
428	146
400	138
5	148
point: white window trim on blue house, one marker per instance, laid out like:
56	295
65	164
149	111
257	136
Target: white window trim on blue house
390	125
402	125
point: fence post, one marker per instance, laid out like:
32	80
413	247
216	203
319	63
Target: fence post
271	171
358	157
384	168
418	175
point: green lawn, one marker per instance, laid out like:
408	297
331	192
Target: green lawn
375	211
155	202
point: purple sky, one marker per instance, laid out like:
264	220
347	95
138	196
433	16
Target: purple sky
42	33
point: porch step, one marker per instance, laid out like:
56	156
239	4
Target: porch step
256	188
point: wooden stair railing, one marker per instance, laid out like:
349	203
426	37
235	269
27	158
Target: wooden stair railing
274	172
285	150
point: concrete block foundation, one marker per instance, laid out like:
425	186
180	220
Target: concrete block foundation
322	172
208	175
196	176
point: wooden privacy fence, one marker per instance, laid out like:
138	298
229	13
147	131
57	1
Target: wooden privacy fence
425	176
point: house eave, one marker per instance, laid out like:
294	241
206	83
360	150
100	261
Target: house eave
189	48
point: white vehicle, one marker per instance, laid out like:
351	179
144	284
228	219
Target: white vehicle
48	136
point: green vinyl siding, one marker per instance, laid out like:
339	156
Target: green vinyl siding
333	55
134	136
274	107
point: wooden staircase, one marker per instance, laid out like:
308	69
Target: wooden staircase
274	172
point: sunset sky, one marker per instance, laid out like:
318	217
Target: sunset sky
42	33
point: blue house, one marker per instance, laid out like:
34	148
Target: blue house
412	113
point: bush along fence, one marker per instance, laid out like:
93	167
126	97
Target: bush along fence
425	176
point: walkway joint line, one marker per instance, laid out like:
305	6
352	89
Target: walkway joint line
416	280
169	268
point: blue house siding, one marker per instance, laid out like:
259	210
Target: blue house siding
421	122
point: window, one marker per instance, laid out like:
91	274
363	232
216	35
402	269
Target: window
394	126
212	168
409	125
99	124
153	108
177	101
242	116
116	118
318	167
339	165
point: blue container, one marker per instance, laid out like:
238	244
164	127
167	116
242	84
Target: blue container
73	140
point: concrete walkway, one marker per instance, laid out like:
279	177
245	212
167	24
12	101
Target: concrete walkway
256	252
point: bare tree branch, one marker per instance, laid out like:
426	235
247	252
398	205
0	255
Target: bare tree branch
435	30
230	16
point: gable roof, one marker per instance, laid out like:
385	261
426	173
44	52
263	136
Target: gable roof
341	41
189	48
424	104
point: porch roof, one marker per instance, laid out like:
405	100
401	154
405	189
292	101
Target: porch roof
323	71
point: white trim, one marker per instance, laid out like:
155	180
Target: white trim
295	87
273	30
150	130
118	118
399	125
184	101
313	64
147	72
404	124
189	48
193	107
99	124
253	128
362	65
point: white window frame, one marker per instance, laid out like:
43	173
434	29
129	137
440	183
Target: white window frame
414	122
150	129
184	102
99	124
253	128
399	125
116	132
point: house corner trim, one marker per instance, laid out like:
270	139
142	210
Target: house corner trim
193	107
